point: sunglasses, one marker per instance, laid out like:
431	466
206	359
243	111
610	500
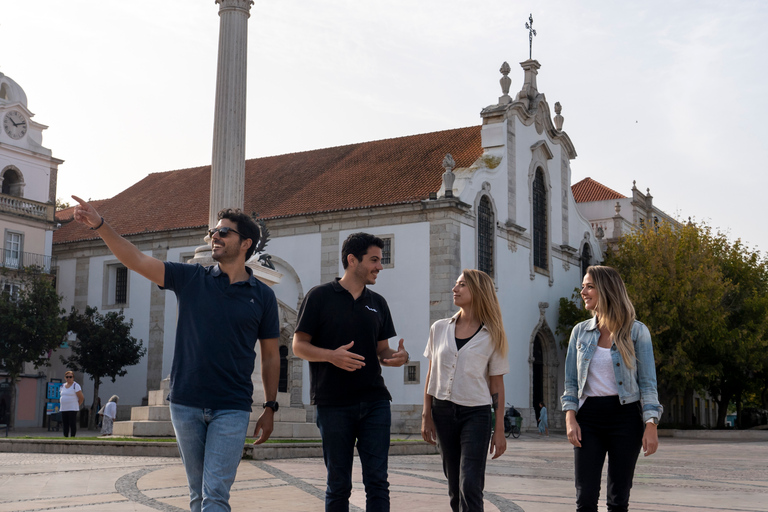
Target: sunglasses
69	377
223	232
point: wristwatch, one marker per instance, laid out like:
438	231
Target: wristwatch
272	405
655	421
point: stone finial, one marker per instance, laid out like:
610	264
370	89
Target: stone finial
599	232
558	118
448	177
617	207
505	82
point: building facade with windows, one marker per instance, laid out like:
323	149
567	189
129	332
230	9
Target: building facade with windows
28	173
495	197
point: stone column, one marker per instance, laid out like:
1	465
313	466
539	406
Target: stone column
228	164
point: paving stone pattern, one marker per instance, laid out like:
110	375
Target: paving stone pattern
535	475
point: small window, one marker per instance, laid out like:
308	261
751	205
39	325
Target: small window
388	251
411	371
13	251
116	286
12	290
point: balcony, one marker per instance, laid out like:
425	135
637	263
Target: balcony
22	260
27	208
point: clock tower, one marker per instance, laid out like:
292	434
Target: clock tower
27	205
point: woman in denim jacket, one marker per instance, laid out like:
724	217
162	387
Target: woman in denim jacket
610	400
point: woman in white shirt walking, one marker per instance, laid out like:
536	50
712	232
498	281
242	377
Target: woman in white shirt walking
69	403
467	363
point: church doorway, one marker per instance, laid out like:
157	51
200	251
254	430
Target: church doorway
544	368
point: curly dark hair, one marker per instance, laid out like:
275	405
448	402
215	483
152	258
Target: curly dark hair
245	226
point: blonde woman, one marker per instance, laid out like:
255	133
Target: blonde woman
610	401
69	403
467	362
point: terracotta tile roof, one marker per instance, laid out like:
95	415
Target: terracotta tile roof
590	190
391	171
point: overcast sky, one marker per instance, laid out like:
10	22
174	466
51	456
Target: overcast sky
671	94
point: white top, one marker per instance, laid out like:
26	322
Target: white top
68	400
462	376
601	379
110	410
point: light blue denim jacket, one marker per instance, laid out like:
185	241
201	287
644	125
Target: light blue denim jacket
638	383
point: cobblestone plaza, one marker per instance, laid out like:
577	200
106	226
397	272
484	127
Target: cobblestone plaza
534	475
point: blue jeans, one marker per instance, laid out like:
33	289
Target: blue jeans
463	437
340	426
211	446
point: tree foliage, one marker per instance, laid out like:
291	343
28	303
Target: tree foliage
104	348
705	301
571	312
31	326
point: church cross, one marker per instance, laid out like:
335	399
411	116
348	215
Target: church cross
531	33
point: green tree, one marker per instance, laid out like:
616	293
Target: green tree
742	353
676	283
31	326
571	312
104	348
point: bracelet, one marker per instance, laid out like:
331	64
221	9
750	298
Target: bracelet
97	227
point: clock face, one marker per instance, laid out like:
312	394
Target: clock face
15	124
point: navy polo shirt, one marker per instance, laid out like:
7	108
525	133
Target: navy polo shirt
333	318
218	325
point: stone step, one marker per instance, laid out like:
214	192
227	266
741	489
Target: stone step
151	413
291	430
157	397
289	414
143	429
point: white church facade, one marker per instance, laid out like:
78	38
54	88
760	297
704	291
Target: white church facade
501	202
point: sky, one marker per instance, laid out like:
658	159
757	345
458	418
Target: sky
668	93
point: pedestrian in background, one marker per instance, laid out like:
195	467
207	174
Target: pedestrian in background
69	403
110	413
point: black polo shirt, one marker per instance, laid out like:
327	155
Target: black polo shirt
333	318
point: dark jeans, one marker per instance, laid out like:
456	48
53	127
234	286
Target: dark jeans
615	429
340	426
69	420
463	437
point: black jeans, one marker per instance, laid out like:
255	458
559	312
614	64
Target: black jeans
463	437
615	429
69	420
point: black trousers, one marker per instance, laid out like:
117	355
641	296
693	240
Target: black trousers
615	429
69	421
463	437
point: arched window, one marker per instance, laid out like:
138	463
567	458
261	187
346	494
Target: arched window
485	223
586	257
12	182
540	236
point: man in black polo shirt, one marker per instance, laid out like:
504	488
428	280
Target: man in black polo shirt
343	331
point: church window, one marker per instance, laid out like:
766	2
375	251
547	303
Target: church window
586	257
388	251
485	236
540	235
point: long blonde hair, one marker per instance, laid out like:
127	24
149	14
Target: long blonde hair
485	306
614	309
